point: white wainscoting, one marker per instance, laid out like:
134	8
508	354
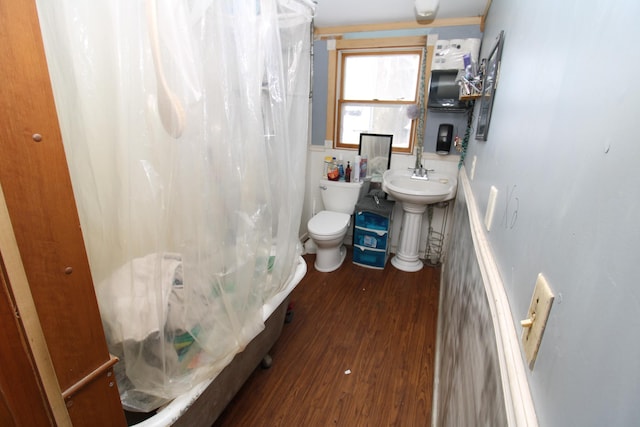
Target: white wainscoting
480	374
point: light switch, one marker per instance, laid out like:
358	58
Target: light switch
472	173
491	207
534	324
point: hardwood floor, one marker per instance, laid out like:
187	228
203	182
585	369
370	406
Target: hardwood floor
359	352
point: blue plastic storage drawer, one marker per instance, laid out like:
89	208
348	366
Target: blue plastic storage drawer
366	219
376	239
369	257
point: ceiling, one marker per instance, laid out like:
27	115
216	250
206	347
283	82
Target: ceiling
333	13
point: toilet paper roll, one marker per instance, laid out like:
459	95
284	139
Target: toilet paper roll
472	46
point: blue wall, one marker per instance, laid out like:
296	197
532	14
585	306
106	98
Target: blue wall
563	152
319	100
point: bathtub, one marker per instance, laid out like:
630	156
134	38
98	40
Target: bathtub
202	405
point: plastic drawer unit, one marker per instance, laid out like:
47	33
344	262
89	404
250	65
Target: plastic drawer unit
371	232
369	238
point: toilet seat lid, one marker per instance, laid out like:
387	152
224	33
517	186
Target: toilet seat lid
328	222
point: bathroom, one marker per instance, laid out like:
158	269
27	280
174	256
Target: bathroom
560	154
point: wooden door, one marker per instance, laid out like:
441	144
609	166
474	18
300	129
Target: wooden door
40	203
22	400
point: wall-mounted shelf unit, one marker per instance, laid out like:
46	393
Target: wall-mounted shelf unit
469	89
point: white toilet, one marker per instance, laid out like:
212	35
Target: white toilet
328	227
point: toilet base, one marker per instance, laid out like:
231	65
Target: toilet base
328	260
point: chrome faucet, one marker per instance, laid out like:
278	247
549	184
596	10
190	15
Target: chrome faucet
421	173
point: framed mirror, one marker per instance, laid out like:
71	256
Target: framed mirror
491	78
377	148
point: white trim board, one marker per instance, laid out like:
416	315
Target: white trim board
515	385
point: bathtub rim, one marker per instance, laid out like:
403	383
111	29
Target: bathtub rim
178	406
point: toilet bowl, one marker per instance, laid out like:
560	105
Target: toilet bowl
328	228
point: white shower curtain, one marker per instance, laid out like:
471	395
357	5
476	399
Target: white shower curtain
185	125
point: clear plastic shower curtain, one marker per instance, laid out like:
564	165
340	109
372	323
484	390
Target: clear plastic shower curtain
185	126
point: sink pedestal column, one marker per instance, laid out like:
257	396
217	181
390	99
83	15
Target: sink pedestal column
406	258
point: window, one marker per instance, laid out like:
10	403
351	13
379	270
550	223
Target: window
371	85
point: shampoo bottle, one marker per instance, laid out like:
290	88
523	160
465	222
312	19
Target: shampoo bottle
341	168
363	167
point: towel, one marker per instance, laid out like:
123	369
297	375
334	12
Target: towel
143	298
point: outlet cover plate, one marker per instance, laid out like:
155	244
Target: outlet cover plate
538	313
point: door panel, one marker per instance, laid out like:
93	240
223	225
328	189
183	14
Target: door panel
23	401
41	205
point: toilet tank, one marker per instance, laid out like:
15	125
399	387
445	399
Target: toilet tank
339	196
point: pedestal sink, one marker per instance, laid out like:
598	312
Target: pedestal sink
415	193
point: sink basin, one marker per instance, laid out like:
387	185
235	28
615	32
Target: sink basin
399	184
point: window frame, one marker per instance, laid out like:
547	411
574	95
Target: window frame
381	46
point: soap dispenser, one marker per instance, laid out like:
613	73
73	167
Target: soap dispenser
445	134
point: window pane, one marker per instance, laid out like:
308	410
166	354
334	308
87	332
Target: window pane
381	77
372	118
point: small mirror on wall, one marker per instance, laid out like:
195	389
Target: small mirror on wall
377	148
491	78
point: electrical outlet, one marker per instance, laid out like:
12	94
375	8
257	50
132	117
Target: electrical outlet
491	207
534	325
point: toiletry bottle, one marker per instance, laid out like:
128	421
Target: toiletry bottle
340	169
347	173
363	167
327	166
333	174
356	169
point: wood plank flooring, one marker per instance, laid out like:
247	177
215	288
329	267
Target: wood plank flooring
359	352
